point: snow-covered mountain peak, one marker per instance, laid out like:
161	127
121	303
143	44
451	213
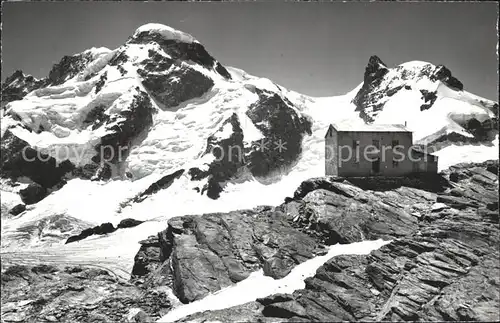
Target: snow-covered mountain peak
428	98
167	32
98	51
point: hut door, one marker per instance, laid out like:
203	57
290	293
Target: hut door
376	166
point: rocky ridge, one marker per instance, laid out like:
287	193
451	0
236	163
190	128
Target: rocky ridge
442	265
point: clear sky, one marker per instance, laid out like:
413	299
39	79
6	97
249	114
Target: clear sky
319	49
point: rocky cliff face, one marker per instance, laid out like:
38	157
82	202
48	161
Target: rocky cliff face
18	85
20	159
439	266
281	124
68	67
205	254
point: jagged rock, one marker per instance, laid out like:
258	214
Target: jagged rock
410	277
147	258
275	298
169	80
18	209
68	67
444	75
444	267
341	212
374	73
283	129
229	158
18	85
104	228
381	83
101	82
429	99
33	193
214	251
96	117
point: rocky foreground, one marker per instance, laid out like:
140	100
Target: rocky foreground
441	263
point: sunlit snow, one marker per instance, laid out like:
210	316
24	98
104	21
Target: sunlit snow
167	32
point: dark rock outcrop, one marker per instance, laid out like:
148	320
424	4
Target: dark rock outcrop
229	156
283	129
68	67
147	258
33	193
443	74
96	117
183	51
125	127
161	184
18	209
19	159
212	251
128	223
18	85
443	267
374	73
169	85
118	60
101	82
429	98
104	228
